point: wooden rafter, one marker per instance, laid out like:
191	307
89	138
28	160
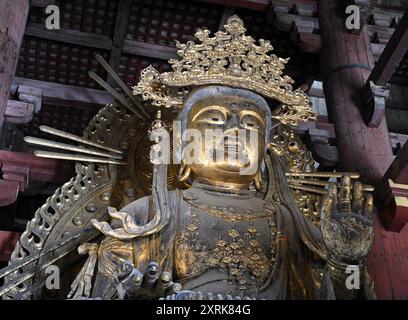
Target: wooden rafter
376	91
65	95
122	19
394	51
92	40
260	5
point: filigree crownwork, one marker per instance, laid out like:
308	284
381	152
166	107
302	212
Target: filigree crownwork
229	58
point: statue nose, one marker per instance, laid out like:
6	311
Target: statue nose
232	124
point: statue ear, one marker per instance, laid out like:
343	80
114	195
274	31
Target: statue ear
184	171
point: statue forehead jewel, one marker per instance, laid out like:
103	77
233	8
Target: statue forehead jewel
230	58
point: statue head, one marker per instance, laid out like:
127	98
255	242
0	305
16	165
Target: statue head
219	83
225	134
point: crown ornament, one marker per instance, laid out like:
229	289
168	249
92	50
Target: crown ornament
229	58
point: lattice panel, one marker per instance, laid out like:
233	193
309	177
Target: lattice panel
94	16
73	120
162	22
131	66
58	62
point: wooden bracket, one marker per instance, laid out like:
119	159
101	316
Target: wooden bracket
374	98
392	193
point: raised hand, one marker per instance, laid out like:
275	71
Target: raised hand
346	222
132	284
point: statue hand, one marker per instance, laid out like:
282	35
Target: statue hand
346	222
81	286
132	284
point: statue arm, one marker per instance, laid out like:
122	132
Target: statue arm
110	254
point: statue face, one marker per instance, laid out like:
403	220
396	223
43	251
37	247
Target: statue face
233	138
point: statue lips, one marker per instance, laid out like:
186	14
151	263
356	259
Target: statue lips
234	157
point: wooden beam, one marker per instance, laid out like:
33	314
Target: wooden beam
19	168
376	91
41	3
392	193
392	4
19	112
121	24
39	169
65	95
398	170
79	38
8	241
92	40
8	192
151	50
260	5
309	42
394	51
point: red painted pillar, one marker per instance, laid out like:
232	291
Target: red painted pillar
346	61
13	18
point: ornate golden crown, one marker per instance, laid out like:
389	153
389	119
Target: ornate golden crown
229	58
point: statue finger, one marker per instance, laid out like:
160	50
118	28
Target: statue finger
333	190
165	282
151	274
125	270
79	290
134	280
72	291
326	208
358	197
368	205
176	287
87	286
345	194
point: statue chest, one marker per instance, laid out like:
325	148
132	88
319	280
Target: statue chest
237	241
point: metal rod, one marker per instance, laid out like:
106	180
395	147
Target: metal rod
73	137
75	157
121	84
114	93
353	175
15	282
68	147
366	187
27	260
309	189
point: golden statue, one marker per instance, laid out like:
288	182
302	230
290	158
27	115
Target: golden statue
203	230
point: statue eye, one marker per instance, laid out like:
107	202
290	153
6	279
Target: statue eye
213	117
251	121
215	120
250	124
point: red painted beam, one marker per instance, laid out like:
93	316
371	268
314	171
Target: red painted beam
8	192
309	42
392	193
8	241
18	168
40	169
